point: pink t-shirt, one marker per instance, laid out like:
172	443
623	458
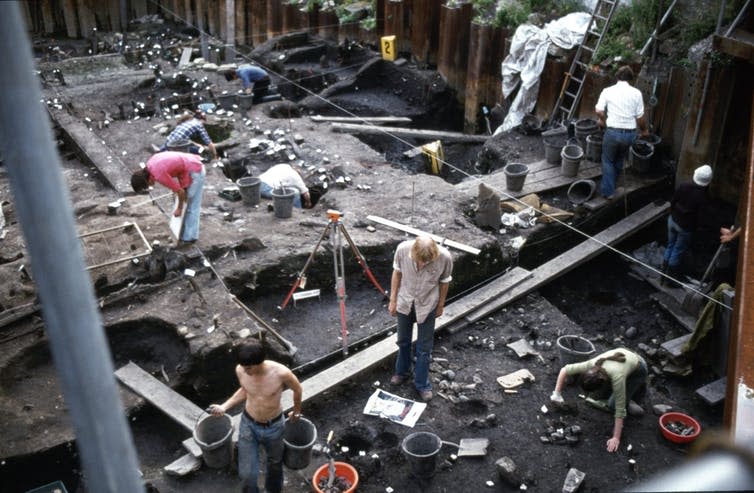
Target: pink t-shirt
169	166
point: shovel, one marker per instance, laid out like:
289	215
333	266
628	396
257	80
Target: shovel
694	300
471	447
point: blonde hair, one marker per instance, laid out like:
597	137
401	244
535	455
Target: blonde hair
186	116
424	249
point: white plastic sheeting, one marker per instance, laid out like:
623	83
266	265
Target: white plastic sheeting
526	59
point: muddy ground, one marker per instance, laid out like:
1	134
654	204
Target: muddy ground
257	257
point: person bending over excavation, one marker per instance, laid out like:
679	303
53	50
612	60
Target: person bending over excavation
261	385
418	287
618	371
183	173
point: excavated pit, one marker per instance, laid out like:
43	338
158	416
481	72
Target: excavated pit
159	317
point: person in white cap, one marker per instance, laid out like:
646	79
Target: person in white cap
688	200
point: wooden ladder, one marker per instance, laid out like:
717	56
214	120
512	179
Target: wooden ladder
573	85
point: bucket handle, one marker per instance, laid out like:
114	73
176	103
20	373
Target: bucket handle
456	445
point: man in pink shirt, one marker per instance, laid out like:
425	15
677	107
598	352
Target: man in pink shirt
183	173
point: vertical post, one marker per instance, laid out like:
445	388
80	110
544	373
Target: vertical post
72	322
139	7
241	17
86	18
123	15
258	21
274	18
48	19
113	10
739	406
200	24
230	31
69	14
187	13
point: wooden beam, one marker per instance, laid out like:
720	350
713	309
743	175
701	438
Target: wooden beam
69	14
86	18
188	13
178	408
139	8
48	17
739	405
418	232
739	44
113	11
258	21
240	33
407	132
361	119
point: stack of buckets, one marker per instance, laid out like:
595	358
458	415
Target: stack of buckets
644	157
554	140
571	156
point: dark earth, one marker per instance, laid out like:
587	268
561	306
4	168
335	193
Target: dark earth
600	300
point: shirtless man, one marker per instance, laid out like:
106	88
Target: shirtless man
262	384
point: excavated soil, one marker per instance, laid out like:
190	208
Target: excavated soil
159	318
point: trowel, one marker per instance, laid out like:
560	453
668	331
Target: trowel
471	447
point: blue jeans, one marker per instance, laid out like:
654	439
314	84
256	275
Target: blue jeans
678	242
424	341
250	437
266	191
190	231
615	146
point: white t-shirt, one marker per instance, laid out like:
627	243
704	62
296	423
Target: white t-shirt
283	175
623	104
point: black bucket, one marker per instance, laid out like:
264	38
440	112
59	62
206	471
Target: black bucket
249	186
213	435
515	175
298	438
227	101
421	450
574	349
282	201
584	128
594	147
571	158
580	191
642	153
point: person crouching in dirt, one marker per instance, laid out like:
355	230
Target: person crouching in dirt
190	127
284	175
254	80
618	371
418	288
262	383
183	173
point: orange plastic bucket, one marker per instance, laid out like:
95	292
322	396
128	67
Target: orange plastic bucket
342	470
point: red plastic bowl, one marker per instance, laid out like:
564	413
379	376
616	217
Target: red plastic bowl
683	418
343	470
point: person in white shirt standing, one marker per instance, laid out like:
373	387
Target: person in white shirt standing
620	109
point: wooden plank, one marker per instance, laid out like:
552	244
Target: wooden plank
714	392
675	310
673	346
576	256
361	119
48	17
407	133
69	15
183	465
181	410
185	57
93	152
487	293
418	232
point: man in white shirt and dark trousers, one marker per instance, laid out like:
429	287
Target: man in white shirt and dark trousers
620	109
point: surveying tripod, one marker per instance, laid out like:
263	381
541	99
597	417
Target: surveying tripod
335	228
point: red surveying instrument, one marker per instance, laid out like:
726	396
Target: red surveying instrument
335	228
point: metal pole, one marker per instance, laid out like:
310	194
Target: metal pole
73	324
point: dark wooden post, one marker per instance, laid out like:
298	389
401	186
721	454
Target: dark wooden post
86	18
425	31
328	24
290	17
452	58
241	33
274	18
394	26
69	14
48	19
485	49
258	21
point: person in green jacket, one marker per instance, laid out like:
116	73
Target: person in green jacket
619	371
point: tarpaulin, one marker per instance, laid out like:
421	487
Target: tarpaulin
523	65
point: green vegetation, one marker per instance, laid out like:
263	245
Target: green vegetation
513	13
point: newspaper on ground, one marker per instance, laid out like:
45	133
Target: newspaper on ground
397	409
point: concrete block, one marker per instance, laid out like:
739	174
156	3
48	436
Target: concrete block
573	480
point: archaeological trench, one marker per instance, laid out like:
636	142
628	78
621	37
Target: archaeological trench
177	313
